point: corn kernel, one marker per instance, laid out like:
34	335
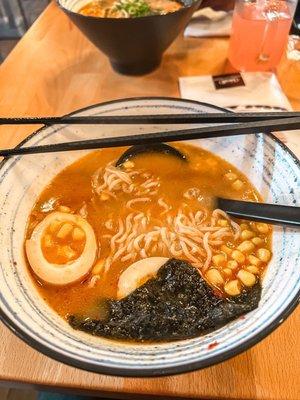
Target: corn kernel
98	267
253	269
67	252
223	222
214	277
64	209
237	185
65	230
257	241
227	271
128	164
230	176
233	288
232	264
247	278
263	254
104	196
54	226
262	228
48	242
78	234
246	234
246	247
238	256
227	250
219	260
254	260
244	226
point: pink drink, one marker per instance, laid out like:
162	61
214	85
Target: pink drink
259	34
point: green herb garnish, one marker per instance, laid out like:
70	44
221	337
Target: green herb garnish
133	8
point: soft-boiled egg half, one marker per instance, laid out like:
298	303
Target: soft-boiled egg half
138	273
62	248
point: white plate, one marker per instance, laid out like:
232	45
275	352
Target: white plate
268	164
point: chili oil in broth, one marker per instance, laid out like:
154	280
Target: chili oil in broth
72	190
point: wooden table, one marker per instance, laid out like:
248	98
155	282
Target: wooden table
55	70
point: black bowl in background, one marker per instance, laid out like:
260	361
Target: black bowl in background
134	45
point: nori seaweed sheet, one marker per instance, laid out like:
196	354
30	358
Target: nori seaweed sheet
176	304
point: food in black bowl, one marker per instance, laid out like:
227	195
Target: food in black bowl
132	33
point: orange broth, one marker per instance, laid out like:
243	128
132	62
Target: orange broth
72	188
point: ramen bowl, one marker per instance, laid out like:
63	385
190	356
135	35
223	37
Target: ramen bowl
134	45
261	157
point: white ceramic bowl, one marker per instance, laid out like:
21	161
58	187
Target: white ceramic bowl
267	163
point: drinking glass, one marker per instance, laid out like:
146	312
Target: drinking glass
260	31
289	69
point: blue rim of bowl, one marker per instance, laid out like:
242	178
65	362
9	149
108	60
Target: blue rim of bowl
154	372
91	17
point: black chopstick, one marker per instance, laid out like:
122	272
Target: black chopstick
275	214
151	119
211	131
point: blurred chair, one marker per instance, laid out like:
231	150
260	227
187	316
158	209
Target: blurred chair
16	16
13	22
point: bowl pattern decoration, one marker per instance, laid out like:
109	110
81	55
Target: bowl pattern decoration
133	45
262	157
